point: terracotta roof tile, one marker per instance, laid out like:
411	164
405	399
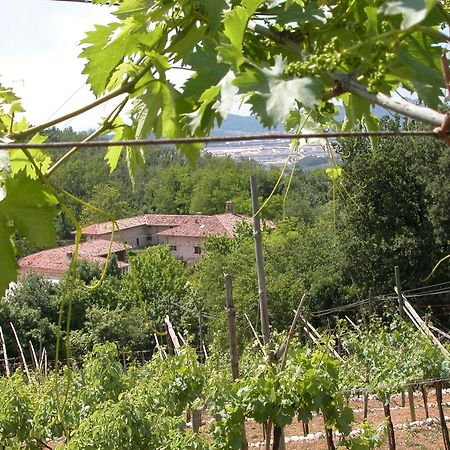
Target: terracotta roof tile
57	260
132	222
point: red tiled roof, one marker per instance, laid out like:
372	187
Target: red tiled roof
57	260
197	225
200	226
137	221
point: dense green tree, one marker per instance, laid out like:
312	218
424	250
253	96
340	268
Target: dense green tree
32	307
108	199
158	283
394	210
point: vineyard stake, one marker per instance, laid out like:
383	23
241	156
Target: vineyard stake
25	366
291	331
425	400
231	320
158	347
445	436
398	285
422	326
172	334
328	435
411	403
33	356
389	425
260	264
5	355
232	332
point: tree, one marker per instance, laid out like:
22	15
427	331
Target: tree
104	198
32	307
287	59
388	211
157	283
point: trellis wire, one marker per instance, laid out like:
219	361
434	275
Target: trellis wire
219	139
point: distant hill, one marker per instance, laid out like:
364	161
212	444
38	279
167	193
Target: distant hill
239	125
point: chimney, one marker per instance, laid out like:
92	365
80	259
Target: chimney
229	206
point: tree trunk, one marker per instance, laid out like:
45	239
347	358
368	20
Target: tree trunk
329	436
444	428
389	426
305	427
425	400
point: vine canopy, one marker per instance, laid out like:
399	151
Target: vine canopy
287	59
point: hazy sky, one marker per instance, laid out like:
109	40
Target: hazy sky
39	56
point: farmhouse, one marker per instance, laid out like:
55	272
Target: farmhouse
184	234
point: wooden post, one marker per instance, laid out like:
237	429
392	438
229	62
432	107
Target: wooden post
200	338
422	326
172	334
196	419
45	362
232	332
328	435
411	403
398	285
260	263
25	365
389	425
5	354
231	317
305	425
33	356
425	400
444	428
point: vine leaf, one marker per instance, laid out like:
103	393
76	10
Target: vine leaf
122	132
413	11
105	54
234	24
19	161
29	210
9	264
272	96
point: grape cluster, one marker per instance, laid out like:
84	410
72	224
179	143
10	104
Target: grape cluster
329	58
382	55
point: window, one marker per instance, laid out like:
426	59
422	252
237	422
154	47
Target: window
137	242
197	250
149	238
173	248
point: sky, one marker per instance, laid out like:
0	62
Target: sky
39	57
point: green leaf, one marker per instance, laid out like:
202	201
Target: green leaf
333	173
423	75
272	96
191	151
19	161
344	420
30	209
214	10
196	120
155	111
106	49
413	11
207	70
356	108
135	159
8	264
183	43
9	102
228	95
234	23
121	132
